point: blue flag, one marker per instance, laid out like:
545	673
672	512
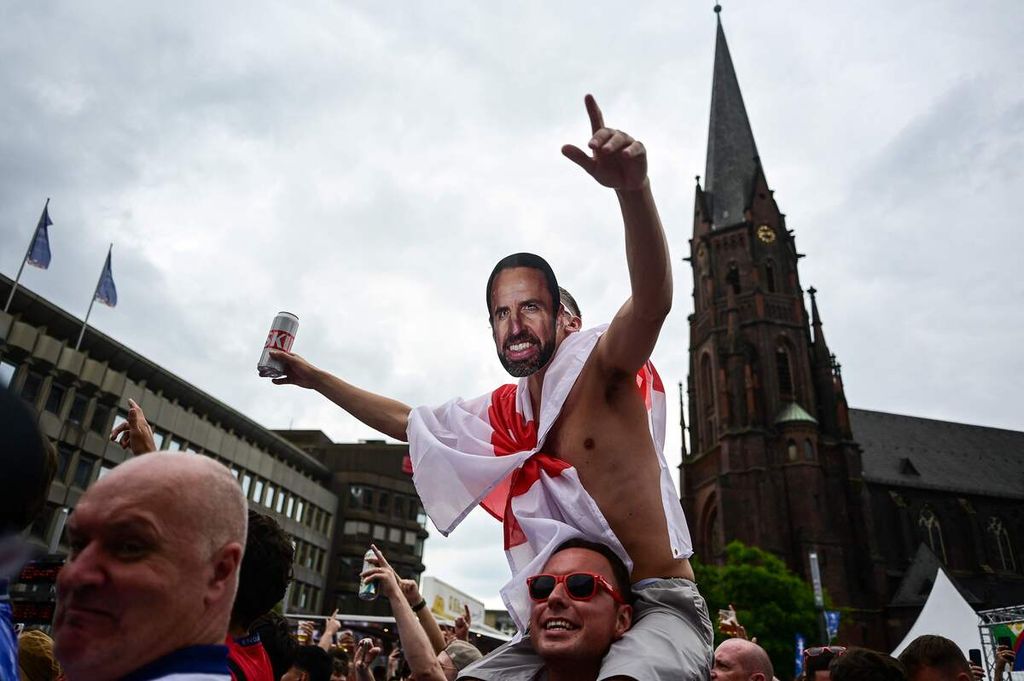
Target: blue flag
106	292
832	624
800	643
39	253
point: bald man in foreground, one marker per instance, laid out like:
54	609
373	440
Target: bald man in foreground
156	547
737	659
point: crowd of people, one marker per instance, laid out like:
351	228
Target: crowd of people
171	576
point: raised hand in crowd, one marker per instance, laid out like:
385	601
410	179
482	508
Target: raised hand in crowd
729	624
394	661
462	624
135	433
616	160
365	654
415	599
331	627
1004	660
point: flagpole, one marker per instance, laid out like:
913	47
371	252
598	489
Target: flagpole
31	241
81	333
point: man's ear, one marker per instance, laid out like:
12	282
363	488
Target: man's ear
226	562
623	620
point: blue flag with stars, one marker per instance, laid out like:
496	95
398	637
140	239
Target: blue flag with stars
39	253
106	292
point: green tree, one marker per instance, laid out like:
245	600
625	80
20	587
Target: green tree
771	602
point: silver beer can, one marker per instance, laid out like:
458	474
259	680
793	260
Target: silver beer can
281	336
368	590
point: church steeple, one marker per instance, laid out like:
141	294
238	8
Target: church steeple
732	154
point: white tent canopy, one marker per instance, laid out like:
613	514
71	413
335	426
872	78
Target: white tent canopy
945	613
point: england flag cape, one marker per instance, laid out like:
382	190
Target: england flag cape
488	451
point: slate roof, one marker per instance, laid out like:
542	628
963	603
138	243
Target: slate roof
730	167
947	456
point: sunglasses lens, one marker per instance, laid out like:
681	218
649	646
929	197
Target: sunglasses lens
541	587
580	585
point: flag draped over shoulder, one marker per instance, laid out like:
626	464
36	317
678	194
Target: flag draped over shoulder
487	451
106	292
39	252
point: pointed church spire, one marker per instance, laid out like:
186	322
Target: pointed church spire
731	160
821	351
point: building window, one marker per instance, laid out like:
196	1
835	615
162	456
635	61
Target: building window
383	502
929	523
808	451
783	372
398	510
100	419
733	278
410	538
30	390
356	527
419	547
257	491
1002	540
6	374
792	453
56	397
769	276
158	440
299	507
79	405
280	500
421	517
83	471
379	532
175	445
395	535
64	455
246	483
268	500
290	507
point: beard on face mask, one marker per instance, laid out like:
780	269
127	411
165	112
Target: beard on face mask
532	364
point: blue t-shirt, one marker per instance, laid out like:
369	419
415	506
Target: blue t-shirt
8	641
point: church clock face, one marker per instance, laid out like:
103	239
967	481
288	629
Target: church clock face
766	234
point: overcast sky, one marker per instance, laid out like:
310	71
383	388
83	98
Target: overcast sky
363	165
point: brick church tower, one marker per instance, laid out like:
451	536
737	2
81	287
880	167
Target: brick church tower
772	459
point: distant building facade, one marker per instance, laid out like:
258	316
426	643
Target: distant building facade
777	458
377	504
81	395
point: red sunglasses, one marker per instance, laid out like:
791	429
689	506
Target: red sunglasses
581	586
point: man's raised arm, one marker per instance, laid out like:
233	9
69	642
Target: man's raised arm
383	414
618	161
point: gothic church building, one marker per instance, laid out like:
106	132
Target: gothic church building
777	457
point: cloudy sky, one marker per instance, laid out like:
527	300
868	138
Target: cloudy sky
364	165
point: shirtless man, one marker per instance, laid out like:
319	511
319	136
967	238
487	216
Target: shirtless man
602	429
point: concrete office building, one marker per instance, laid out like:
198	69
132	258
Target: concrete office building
81	395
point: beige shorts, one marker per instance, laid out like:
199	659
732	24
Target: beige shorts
671	638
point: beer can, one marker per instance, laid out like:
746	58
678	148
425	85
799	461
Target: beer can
368	590
281	336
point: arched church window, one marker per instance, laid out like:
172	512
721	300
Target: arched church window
808	451
1002	542
708	399
785	375
733	277
769	276
791	450
932	529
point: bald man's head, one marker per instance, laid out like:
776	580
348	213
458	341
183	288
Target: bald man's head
156	547
737	659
